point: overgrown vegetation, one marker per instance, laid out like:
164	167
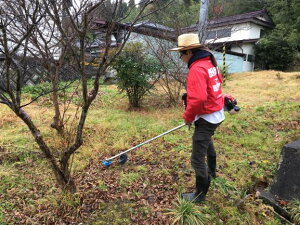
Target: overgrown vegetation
187	213
141	191
295	211
137	73
275	51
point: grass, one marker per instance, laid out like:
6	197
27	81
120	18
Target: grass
248	146
187	213
127	179
295	211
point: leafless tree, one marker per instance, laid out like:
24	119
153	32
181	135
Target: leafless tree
56	33
173	76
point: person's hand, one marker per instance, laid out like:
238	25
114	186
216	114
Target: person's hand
188	123
184	99
228	96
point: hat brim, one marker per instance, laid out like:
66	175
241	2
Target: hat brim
187	47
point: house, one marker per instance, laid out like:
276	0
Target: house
239	34
138	32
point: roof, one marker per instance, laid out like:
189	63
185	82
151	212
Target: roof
218	46
233	42
260	17
154	26
143	27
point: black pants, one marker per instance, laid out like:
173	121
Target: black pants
203	146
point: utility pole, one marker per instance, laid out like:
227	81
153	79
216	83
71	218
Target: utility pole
203	18
66	18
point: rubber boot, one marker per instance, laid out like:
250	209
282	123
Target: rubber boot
212	164
202	185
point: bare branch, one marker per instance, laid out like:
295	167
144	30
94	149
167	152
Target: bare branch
46	93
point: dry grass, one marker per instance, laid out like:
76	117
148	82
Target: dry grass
257	88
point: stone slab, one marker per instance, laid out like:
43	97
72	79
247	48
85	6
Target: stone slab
286	185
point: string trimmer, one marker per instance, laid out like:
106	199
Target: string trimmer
123	156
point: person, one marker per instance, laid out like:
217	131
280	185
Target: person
204	109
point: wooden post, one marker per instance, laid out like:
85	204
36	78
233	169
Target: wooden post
224	58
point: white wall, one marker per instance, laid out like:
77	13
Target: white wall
243	31
248	49
255	31
239	32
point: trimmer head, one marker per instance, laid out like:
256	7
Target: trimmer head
106	163
122	160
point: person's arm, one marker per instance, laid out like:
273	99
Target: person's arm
196	93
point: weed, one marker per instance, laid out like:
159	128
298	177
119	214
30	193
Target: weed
9	183
223	185
278	76
37	90
2	217
102	186
187	213
137	194
295	210
141	169
273	222
144	210
113	213
162	172
127	179
71	200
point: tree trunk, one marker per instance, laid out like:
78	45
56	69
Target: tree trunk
62	176
57	120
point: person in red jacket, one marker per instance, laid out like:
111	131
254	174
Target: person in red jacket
204	109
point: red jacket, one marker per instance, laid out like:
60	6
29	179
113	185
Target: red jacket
204	93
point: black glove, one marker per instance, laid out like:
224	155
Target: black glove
230	105
184	99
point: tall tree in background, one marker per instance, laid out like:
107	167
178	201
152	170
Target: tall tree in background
281	46
286	15
177	15
221	8
131	4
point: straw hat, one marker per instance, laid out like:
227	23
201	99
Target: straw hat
187	41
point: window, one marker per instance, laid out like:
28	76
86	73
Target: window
224	33
211	34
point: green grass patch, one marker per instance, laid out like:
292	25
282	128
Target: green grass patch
187	213
127	179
